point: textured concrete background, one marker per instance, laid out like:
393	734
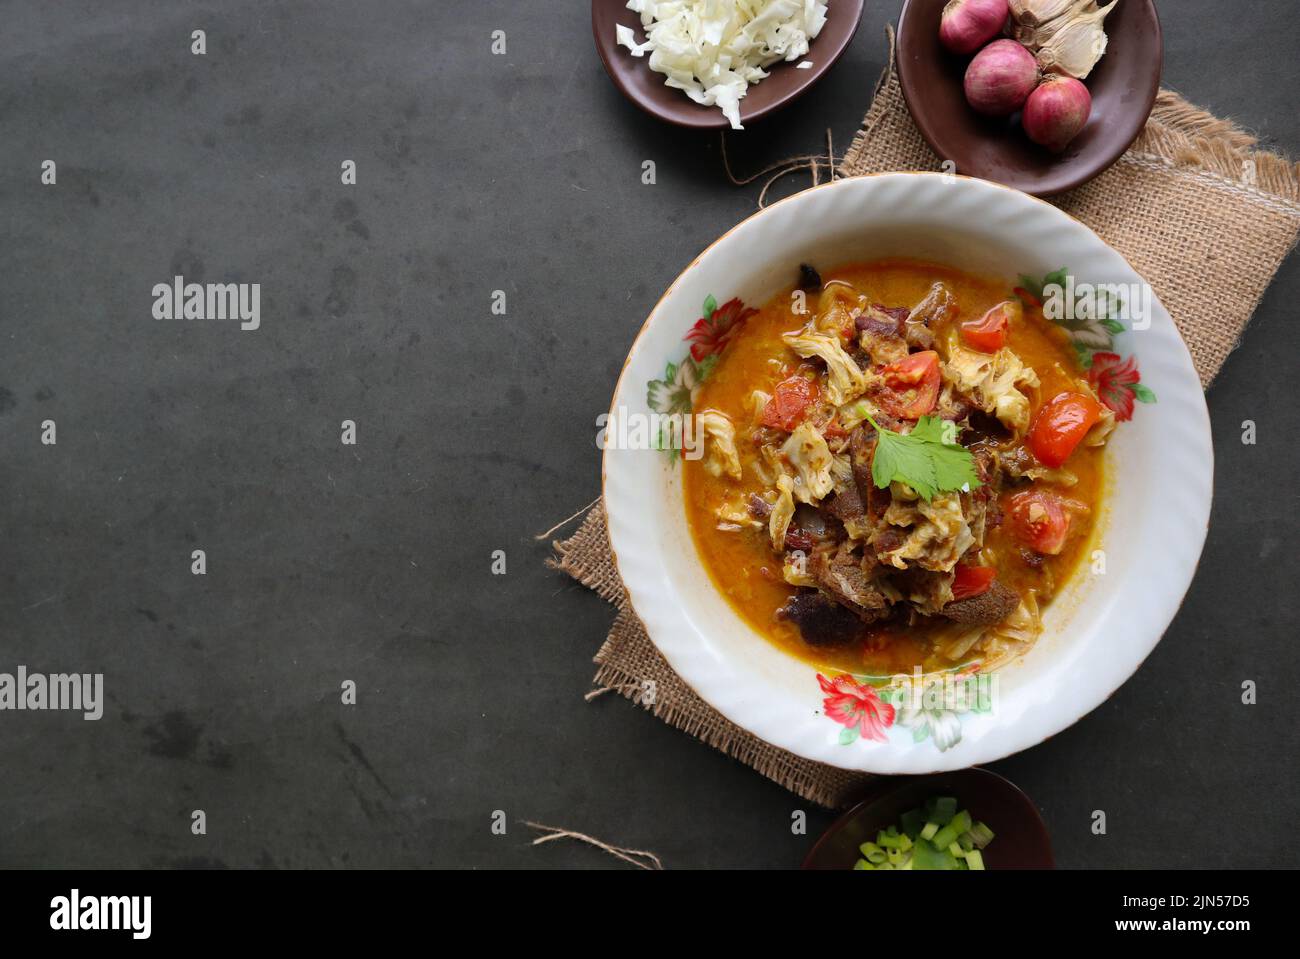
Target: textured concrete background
328	562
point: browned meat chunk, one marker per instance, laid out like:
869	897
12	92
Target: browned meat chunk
981	425
842	576
989	607
953	408
809	279
862	449
880	334
986	465
924	589
759	508
846	506
808	528
821	620
882	320
887	539
934	308
796	538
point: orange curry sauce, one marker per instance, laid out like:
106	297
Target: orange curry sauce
742	564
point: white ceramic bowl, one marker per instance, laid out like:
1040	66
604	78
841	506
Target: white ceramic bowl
1097	631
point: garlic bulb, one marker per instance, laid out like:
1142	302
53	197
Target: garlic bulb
1033	13
1065	35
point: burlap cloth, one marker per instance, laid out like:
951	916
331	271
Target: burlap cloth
1198	211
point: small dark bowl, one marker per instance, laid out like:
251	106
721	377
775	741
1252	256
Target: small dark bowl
1123	86
646	88
1020	837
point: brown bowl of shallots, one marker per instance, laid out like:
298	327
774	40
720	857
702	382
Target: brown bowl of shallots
1040	95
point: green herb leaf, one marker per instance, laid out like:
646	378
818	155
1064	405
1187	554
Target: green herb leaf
1108	306
1143	393
1033	286
929	459
1056	277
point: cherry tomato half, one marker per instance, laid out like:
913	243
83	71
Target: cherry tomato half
1058	427
913	385
790	400
1039	520
988	334
972	581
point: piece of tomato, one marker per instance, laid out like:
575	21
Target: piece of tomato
1058	427
790	401
988	334
1029	299
913	385
971	581
1039	520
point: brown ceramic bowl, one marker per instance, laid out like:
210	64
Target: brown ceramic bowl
646	88
1020	837
1123	86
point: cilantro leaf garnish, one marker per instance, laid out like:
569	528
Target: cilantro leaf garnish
929	459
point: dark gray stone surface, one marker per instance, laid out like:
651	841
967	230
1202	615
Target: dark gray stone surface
328	562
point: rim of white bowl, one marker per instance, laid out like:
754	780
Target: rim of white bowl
785	725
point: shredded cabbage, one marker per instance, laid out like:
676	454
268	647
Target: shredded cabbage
808	453
723	457
992	381
845	381
712	50
782	512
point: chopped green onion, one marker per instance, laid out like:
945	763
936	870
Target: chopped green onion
935	836
913	822
957	825
926	856
893	842
981	835
942	810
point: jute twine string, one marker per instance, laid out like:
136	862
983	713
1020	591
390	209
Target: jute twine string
640	858
566	521
631	690
1197	209
813	163
783	168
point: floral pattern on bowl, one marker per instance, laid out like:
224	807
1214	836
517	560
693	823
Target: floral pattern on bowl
709	336
929	706
1116	379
